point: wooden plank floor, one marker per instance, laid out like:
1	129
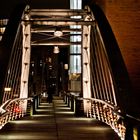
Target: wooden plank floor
56	121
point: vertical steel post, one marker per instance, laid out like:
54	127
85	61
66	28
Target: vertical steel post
86	62
25	56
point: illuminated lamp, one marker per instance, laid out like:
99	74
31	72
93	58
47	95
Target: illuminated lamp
7	89
56	49
58	32
66	66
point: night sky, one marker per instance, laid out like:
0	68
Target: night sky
7	6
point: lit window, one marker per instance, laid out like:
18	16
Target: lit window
75	49
75	4
75	63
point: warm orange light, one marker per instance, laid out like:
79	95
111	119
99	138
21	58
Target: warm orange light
58	33
56	49
7	89
66	66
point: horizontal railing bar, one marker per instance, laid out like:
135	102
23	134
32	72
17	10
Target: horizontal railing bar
8	102
36	30
55	19
56	12
101	101
56	44
134	118
63	36
115	108
60	23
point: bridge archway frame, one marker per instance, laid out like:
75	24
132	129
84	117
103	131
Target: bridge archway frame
121	77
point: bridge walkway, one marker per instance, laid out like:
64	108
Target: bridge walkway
56	121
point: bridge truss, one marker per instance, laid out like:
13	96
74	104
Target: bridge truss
103	92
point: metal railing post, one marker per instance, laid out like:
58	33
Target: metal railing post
79	109
72	103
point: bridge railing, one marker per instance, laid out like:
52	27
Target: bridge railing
12	109
104	112
35	103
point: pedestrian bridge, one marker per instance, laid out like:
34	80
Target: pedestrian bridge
91	92
56	121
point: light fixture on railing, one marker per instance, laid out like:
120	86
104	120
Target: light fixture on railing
58	32
56	49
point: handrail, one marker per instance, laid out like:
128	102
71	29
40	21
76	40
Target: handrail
12	109
107	113
8	102
101	101
115	108
94	99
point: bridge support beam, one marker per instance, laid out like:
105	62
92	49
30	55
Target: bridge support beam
25	57
86	62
